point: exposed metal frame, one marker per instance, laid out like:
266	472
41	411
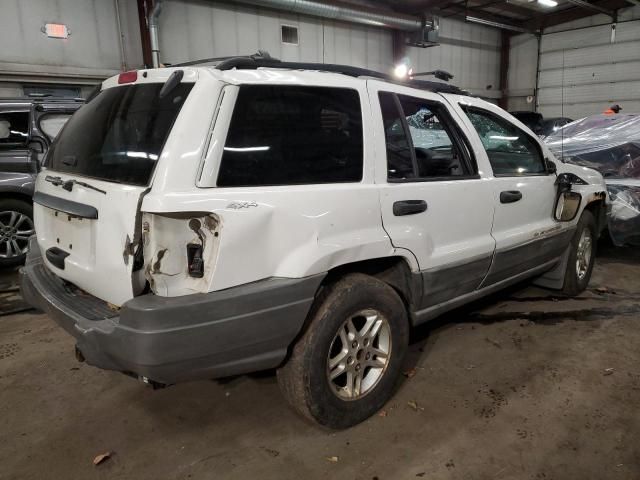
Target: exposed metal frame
593	7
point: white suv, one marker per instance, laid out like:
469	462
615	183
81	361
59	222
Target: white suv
201	222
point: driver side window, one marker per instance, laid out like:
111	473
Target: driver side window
511	151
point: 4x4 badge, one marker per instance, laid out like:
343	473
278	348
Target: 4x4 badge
238	205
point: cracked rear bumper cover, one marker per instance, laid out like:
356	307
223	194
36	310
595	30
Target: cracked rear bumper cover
173	339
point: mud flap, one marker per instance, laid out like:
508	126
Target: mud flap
554	278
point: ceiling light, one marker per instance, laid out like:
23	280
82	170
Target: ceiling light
548	3
401	70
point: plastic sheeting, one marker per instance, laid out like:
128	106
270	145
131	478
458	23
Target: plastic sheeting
611	145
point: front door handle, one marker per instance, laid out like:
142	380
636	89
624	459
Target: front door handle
409	207
510	196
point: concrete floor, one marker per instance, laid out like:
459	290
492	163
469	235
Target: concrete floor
524	385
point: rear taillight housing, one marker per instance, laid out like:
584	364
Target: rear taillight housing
195	262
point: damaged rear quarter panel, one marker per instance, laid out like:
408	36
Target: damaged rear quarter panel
165	239
289	232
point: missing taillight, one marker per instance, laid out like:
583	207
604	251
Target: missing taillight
194	260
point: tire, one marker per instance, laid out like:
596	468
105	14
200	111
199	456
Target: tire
16	226
304	379
583	249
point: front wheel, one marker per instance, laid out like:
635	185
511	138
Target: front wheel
582	255
346	365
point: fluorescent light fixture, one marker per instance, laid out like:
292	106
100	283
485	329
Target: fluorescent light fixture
548	3
246	149
491	23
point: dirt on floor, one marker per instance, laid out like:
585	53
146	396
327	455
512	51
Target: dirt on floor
524	385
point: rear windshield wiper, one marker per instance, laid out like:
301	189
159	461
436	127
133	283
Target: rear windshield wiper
172	82
68	184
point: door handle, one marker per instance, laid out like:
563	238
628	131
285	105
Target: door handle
510	196
409	207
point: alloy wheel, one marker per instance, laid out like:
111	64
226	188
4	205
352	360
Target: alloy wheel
15	230
359	355
583	254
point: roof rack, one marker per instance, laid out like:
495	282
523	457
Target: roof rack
263	60
251	63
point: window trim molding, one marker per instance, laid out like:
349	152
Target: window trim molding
434	179
489	113
407	133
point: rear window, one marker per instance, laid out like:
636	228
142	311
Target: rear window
119	135
285	135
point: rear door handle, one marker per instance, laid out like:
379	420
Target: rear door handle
510	196
409	207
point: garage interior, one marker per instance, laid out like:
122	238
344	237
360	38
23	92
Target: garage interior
524	384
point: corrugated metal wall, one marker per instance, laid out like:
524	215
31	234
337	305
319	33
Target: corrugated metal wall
194	30
204	29
469	52
91	51
523	62
582	71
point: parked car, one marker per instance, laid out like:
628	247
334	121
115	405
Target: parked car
27	128
552	125
611	145
533	120
201	222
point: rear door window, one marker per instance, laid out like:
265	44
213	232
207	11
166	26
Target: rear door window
423	142
14	128
287	135
119	135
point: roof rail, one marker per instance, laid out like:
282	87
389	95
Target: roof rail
30	99
263	60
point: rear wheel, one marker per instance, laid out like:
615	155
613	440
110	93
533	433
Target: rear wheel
346	365
16	226
581	256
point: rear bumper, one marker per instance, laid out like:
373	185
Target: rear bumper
173	339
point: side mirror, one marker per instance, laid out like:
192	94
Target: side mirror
567	206
551	167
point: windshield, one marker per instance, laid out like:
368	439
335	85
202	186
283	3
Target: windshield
119	135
